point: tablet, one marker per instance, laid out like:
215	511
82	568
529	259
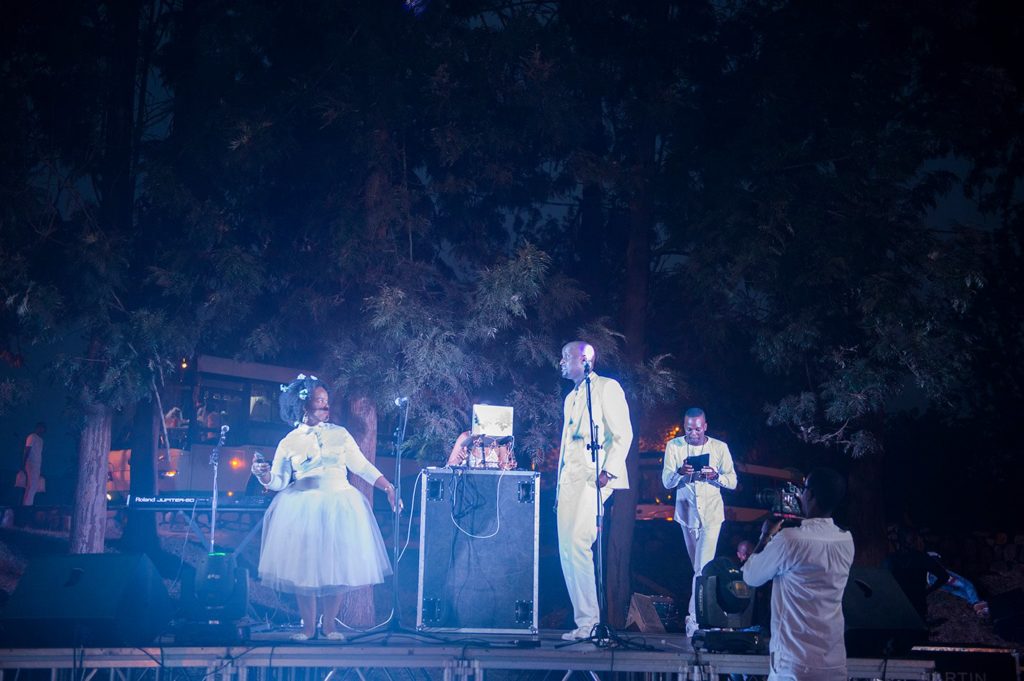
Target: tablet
699	461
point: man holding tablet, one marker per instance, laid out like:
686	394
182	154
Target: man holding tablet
698	467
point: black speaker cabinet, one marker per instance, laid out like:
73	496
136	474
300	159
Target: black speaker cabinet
479	533
880	621
97	599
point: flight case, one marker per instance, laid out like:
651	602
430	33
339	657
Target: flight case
479	531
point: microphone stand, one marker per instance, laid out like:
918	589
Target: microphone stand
600	636
214	461
395	625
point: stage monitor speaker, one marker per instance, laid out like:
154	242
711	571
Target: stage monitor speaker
880	621
100	599
645	613
479	531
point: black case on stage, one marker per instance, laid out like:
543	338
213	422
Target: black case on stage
479	533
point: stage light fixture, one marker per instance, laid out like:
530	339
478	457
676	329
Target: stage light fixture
215	600
723	599
725	610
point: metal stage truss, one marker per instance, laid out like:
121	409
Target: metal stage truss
401	657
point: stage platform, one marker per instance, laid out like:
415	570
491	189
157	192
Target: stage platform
391	656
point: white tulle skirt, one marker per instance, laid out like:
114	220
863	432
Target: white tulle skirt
320	537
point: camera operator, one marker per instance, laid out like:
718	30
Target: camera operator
699	507
809	566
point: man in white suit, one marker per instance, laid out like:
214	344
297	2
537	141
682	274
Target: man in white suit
576	496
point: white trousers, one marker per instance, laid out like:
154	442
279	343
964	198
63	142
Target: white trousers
577	532
33	470
701	545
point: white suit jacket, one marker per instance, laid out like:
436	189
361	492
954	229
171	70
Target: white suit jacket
615	432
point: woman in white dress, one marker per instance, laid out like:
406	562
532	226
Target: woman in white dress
320	538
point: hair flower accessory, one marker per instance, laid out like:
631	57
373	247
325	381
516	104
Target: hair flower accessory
296	395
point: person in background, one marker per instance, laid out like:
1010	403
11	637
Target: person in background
483	451
173	418
743	551
959	586
32	464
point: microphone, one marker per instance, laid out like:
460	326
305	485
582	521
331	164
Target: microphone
401	401
588	357
224	430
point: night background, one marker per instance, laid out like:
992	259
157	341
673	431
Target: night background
804	217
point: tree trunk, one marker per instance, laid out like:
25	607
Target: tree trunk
359	610
117	196
867	516
140	531
634	325
88	524
620	544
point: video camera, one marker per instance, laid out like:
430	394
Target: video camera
783	502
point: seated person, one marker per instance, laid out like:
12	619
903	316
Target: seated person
483	451
959	586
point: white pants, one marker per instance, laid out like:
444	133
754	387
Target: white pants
577	532
701	545
33	469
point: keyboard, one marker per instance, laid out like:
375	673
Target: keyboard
199	502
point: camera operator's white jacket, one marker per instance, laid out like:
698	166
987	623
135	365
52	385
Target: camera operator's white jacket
808	566
698	503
